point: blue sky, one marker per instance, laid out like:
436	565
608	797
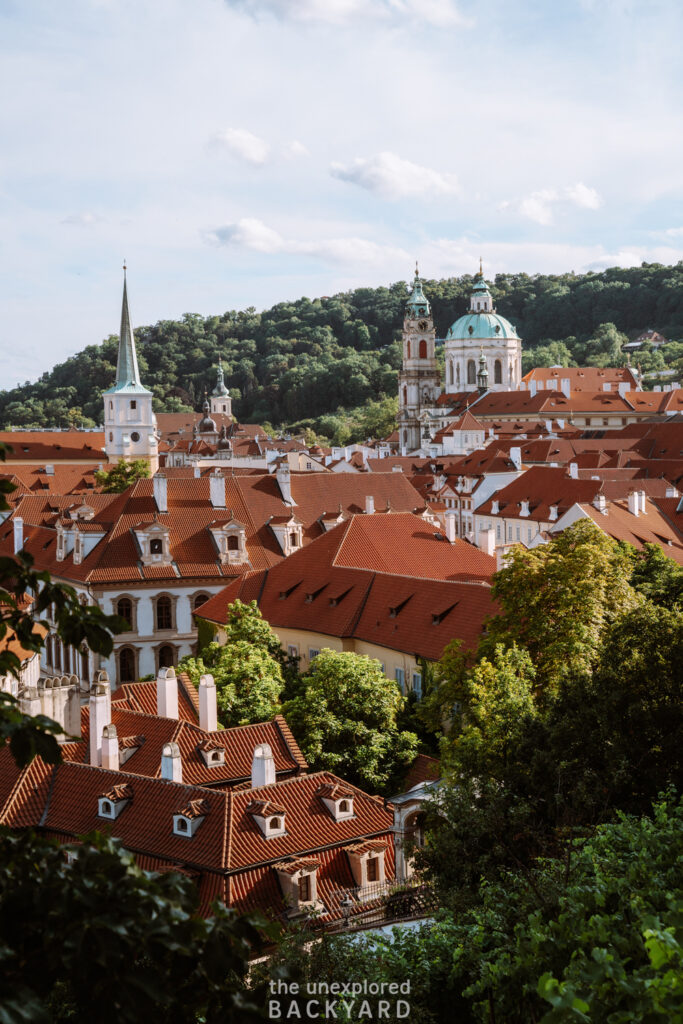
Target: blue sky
243	152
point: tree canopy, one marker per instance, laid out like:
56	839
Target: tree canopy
332	363
122	475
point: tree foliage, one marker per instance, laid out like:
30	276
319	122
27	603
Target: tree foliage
345	720
324	360
122	475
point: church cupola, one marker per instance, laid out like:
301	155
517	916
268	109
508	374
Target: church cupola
221	402
129	422
417	303
480	299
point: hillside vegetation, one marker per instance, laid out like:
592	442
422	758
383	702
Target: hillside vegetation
313	362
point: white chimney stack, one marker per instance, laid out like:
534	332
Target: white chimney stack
516	457
553	513
574	470
197	472
100	715
18	533
369	504
160	484
450	526
284	482
566	387
532	387
633	503
167	693
487	540
171	763
110	748
600	502
72	713
217	489
262	767
208	710
641	501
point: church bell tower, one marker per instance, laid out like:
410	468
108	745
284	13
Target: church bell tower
129	421
419	382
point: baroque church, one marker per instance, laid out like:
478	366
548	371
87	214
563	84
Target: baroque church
482	353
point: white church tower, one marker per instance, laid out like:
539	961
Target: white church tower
129	422
221	403
419	382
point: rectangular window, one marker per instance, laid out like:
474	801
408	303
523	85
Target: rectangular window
498	531
313	652
528	534
304	888
509	533
133	404
400	678
373	869
292	650
417	684
518	533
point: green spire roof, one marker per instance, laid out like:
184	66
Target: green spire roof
417	303
220	388
127	373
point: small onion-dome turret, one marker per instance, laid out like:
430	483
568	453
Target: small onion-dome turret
206	424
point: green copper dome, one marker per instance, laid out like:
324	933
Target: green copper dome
417	303
481	327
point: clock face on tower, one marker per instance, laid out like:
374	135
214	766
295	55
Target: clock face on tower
423	325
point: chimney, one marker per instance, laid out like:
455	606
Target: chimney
18	533
60	700
633	503
524	509
49	470
262	767
600	502
167	693
623	387
566	387
641	501
369	504
100	715
553	513
160	484
487	540
574	470
208	712
284	482
671	491
450	527
495	507
516	457
110	748
560	423
606	386
197	472
217	489
72	713
532	388
171	763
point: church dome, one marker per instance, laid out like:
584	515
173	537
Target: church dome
482	327
206	424
224	442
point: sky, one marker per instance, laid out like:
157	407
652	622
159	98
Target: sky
245	152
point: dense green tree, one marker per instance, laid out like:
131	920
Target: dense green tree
249	680
122	475
557	600
658	577
345	720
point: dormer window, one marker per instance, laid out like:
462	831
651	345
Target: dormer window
338	800
156	546
110	805
230	539
269	817
212	755
367	862
154	542
187	821
299	883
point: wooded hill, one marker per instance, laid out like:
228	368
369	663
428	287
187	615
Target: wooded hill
316	360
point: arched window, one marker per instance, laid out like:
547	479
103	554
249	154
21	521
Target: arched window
457	375
450	373
199	600
408	350
405	395
126	665
111	436
423	349
166	659
181	825
84	666
57	662
405	437
106	807
343	806
67	660
471	372
156	546
497	372
164	613
274	823
124	609
294	539
304	888
233	543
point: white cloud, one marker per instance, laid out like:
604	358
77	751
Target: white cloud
674	232
621	258
440	13
540	206
392	177
243	145
254	235
81	220
583	196
294	149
